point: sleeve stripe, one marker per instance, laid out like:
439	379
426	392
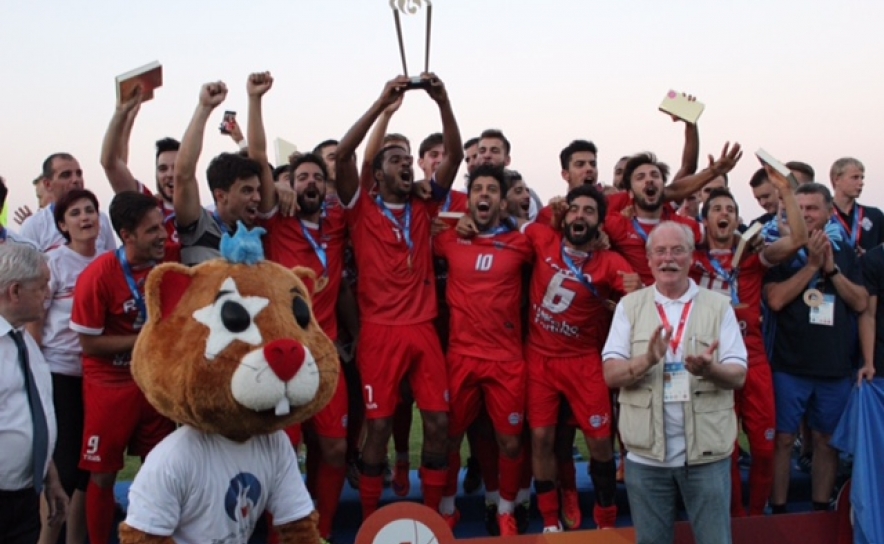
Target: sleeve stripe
86	330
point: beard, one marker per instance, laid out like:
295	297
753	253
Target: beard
642	203
588	234
309	207
161	190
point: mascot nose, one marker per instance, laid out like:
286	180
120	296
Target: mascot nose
285	357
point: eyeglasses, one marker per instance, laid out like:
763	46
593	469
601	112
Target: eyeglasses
677	251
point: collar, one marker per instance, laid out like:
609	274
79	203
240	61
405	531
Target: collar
5	327
684	299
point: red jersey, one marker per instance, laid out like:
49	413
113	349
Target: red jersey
289	242
173	245
629	237
105	305
544	216
485	293
455	202
749	284
566	312
396	280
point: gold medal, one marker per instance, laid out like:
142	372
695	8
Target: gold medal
813	298
321	283
409	262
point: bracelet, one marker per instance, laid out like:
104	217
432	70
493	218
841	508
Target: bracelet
243	144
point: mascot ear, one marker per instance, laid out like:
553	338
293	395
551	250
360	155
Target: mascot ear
165	287
308	276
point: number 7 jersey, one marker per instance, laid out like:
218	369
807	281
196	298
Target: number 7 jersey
569	317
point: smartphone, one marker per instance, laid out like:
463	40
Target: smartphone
228	122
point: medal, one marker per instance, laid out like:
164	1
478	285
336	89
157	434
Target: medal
321	283
813	298
409	261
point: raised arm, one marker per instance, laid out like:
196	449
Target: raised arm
682	188
187	194
787	246
258	84
346	173
378	132
690	155
447	169
114	148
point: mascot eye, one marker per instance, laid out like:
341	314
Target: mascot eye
235	317
301	311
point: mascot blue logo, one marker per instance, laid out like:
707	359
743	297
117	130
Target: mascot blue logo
243	494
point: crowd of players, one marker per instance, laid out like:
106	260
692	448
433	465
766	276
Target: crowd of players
492	324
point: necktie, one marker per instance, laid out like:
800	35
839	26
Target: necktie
40	442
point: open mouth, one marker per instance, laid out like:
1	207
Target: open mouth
578	228
669	268
525	206
311	193
405	176
651	192
483	207
723	224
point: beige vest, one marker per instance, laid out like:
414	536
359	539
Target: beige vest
709	418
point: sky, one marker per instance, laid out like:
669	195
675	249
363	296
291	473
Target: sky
800	78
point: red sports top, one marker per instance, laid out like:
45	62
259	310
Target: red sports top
485	293
173	245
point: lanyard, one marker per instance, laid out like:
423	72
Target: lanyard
133	286
317	248
640	230
447	206
852	235
406	228
503	228
578	273
731	278
3	234
678	333
221	224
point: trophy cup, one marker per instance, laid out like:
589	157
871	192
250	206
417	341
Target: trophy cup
410	7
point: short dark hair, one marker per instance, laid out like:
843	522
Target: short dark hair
758	178
377	163
470	143
496	133
311	158
802	167
128	209
322	145
396	137
718	192
226	168
38	179
429	143
512	176
592	192
4	192
489	171
576	146
167	144
61	207
279	171
814	188
641	159
48	170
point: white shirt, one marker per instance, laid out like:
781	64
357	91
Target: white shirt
16	425
198	487
41	231
731	350
61	345
15	238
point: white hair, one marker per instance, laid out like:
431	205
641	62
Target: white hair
19	263
680	228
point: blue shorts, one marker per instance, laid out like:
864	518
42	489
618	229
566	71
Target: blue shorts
822	399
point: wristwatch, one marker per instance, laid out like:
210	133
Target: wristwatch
835	271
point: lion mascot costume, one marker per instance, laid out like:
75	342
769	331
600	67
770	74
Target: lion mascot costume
233	352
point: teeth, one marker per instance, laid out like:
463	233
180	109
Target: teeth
282	407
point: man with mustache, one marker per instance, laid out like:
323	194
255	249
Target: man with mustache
814	299
315	238
715	269
114	154
676	353
645	179
570	287
486	366
396	292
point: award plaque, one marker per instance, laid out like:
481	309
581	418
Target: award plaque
410	7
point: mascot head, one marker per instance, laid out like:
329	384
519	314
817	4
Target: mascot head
232	346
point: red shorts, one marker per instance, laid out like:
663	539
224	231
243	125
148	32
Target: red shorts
756	408
331	421
580	381
500	385
388	354
118	418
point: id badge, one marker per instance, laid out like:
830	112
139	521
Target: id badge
824	314
676	383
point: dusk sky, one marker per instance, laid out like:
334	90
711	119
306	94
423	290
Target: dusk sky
801	79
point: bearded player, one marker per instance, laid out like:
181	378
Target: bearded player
714	268
570	289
